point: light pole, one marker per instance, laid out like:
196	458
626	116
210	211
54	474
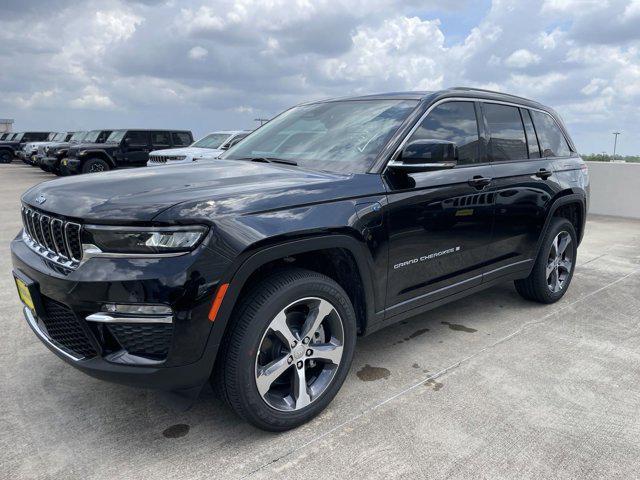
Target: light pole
615	144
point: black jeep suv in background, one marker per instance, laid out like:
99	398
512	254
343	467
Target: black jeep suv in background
9	148
123	149
52	155
335	219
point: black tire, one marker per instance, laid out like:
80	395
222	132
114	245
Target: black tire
234	378
6	156
95	165
536	286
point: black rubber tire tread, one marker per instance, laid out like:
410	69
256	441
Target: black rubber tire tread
226	379
91	161
534	287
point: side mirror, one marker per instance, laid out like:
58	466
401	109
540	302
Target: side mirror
425	155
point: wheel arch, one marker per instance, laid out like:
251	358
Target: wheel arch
101	154
344	252
570	205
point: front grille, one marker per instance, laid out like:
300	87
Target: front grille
165	158
52	237
152	341
64	328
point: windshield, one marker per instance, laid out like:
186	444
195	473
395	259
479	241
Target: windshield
213	140
92	136
341	136
59	137
116	136
51	136
78	136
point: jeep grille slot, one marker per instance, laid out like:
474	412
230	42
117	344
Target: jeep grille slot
53	238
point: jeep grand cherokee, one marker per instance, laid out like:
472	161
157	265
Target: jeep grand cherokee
333	220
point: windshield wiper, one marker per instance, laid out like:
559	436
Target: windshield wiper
270	160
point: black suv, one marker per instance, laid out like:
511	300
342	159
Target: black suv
123	149
335	219
52	155
9	148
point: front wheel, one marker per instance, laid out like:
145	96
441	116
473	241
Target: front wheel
95	165
553	270
289	349
6	156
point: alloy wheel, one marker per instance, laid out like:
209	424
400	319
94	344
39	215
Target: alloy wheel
560	262
299	354
96	167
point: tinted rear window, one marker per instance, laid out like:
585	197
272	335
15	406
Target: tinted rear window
137	137
551	139
182	139
160	139
507	140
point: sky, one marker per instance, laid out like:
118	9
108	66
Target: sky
209	65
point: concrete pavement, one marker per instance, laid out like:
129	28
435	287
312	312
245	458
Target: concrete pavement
489	387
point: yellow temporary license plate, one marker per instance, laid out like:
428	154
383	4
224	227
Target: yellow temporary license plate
64	162
25	295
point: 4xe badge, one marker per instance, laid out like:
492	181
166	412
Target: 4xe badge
40	199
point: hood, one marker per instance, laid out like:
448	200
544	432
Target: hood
189	151
89	146
214	189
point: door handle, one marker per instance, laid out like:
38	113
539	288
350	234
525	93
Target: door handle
543	173
479	181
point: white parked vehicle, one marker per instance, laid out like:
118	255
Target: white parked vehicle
208	147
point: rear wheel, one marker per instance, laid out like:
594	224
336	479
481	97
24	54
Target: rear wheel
553	270
95	165
289	349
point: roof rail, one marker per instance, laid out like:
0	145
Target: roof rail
490	91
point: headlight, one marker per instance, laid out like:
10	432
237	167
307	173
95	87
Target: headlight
82	152
144	240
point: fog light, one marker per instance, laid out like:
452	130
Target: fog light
137	309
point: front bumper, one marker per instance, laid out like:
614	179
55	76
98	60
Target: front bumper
71	165
49	163
177	281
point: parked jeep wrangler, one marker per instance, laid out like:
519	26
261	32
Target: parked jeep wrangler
9	148
53	155
123	149
337	218
29	152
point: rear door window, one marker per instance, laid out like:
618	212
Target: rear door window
138	138
454	122
552	141
181	139
160	139
507	140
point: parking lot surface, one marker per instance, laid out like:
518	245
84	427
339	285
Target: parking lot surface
489	387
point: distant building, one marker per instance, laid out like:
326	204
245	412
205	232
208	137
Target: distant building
6	124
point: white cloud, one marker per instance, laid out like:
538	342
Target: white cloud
198	52
230	60
393	54
92	98
522	58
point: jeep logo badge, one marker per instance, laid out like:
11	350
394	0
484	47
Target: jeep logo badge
41	199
